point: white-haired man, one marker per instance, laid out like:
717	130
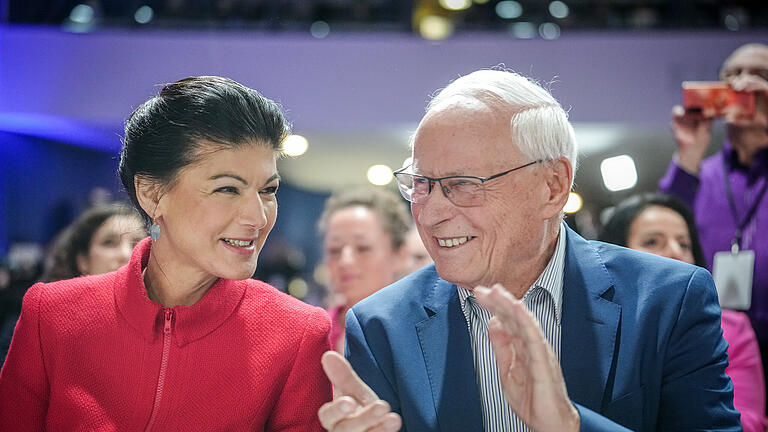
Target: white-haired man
572	335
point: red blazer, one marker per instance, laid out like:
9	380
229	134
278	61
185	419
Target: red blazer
94	353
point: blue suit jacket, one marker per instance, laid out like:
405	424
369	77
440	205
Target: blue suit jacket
641	346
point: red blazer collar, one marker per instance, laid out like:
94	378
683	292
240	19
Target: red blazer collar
189	322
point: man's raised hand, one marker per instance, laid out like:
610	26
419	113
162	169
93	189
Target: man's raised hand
355	407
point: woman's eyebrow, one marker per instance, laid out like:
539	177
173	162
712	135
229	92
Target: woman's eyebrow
234	176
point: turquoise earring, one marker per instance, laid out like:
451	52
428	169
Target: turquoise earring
154	231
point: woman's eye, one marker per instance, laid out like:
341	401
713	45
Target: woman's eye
652	242
228	190
109	242
269	190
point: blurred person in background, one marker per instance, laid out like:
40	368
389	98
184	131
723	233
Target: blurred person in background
662	225
23	267
99	241
418	256
364	248
180	338
727	190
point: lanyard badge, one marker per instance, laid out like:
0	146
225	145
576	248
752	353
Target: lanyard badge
733	271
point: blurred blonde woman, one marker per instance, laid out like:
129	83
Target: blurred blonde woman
364	248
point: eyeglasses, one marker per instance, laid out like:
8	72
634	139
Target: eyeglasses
462	191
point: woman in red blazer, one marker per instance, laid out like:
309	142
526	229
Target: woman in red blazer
180	338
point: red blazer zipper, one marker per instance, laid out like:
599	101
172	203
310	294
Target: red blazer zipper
163	367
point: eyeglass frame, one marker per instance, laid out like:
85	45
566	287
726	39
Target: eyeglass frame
433	180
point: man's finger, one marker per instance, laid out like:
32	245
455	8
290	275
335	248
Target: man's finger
391	423
365	419
516	319
500	303
335	411
344	379
749	83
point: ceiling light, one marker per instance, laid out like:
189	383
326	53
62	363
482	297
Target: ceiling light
81	14
435	27
619	173
319	29
509	9
549	31
295	145
455	5
379	175
144	15
558	9
523	30
574	203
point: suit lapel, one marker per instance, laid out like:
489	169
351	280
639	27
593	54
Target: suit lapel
447	351
590	322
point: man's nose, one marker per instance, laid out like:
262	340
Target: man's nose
435	208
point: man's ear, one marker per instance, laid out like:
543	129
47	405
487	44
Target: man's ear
559	179
148	193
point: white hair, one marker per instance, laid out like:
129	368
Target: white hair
539	125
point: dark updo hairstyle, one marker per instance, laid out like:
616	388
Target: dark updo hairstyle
165	133
387	206
616	230
75	240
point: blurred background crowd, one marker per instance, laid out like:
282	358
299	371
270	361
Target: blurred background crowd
396	15
354	77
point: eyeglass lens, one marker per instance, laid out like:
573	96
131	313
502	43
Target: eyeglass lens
462	191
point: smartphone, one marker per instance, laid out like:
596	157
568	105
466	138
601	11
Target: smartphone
717	99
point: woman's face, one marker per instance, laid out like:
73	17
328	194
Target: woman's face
418	256
111	245
661	231
359	254
216	216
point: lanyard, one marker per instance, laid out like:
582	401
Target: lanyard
736	242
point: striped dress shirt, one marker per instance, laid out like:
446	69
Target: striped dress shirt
544	299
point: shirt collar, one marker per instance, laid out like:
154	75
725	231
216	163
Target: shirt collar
730	155
759	164
551	279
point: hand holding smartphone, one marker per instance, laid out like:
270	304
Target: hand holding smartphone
716	99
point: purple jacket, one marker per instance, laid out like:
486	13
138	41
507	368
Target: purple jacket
707	197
